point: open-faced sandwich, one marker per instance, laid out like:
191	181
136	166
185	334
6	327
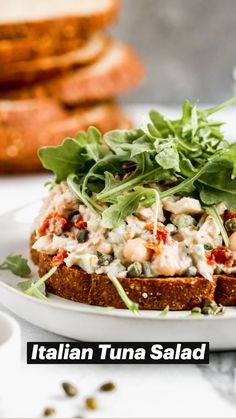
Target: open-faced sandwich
145	217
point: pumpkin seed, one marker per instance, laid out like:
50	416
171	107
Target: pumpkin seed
49	411
91	403
196	310
69	389
107	386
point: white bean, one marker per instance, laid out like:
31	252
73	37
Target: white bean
136	251
232	240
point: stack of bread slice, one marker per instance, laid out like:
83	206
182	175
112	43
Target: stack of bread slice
60	73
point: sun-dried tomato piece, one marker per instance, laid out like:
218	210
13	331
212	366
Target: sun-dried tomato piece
58	260
81	224
155	247
220	255
229	214
54	223
162	234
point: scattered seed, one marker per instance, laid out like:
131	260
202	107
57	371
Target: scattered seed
196	310
91	403
107	386
49	411
210	307
70	390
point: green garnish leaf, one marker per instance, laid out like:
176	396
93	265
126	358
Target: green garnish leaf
213	183
38	292
17	265
63	159
131	305
165	311
117	213
39	282
36	287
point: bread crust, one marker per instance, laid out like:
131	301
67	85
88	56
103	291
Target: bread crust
33	124
91	83
28	72
14	50
66	27
115	72
179	293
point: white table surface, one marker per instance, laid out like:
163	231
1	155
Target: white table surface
143	391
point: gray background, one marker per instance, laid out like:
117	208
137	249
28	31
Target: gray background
188	46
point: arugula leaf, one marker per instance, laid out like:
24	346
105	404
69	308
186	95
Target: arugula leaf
131	305
75	186
17	265
165	311
230	154
74	155
63	159
168	159
117	213
147	171
38	292
215	184
37	284
92	144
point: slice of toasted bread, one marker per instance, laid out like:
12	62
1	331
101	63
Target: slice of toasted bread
15	50
116	72
179	293
27	125
25	72
70	18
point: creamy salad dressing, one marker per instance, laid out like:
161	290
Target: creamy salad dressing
182	251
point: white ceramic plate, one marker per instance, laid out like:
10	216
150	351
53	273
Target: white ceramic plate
84	322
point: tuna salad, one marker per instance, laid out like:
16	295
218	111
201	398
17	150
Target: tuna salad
157	201
187	241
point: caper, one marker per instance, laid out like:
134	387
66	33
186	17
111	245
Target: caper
69	389
134	270
104	259
147	270
230	225
191	271
49	411
208	247
217	270
91	403
82	236
107	386
75	217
